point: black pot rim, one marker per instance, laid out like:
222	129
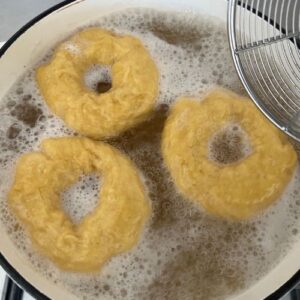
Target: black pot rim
11	271
21	281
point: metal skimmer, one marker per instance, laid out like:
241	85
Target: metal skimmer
264	38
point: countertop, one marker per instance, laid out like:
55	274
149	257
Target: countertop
15	13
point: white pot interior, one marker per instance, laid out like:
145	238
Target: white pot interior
35	43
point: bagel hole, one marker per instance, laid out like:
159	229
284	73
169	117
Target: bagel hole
229	145
82	197
98	78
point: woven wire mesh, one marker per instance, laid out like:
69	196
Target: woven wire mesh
264	40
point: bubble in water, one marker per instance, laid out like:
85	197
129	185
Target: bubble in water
82	197
98	78
229	145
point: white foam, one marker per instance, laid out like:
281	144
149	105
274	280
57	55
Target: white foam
73	48
82	197
183	252
97	73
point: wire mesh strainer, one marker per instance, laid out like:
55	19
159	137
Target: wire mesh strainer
264	40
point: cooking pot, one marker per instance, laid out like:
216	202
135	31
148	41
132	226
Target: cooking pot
32	42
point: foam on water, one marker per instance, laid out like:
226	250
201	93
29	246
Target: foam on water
228	145
82	197
183	252
97	74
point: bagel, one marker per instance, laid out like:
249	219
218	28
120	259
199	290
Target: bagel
242	187
113	227
99	115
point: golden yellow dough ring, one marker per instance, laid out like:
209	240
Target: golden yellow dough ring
115	224
238	190
134	83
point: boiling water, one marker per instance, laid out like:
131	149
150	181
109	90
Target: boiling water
183	253
228	145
